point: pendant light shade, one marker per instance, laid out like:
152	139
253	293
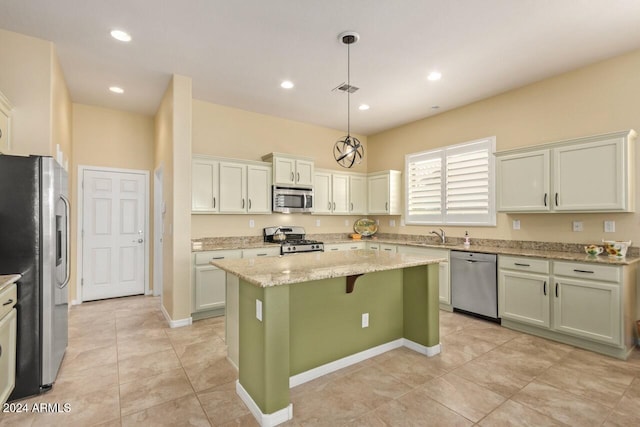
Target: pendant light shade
348	150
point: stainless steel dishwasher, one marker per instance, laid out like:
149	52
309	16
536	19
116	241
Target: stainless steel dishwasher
474	287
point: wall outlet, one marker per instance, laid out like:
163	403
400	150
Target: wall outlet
317	223
252	223
392	223
346	222
578	226
516	224
609	226
259	310
365	320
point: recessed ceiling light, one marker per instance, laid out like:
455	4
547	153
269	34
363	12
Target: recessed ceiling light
116	89
123	36
434	75
286	84
363	107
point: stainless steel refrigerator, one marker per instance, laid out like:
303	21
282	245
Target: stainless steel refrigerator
34	242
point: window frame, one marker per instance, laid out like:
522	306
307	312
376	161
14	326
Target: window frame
487	219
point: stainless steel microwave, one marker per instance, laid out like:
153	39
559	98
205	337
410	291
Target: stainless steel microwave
292	200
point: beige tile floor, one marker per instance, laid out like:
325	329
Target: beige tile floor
125	367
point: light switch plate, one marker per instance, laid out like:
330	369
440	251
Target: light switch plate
516	224
346	222
609	226
365	320
252	223
578	226
317	223
392	223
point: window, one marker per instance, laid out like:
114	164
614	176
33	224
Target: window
454	185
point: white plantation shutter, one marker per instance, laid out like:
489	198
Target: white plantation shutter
453	185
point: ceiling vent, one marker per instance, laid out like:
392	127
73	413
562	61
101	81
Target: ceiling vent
344	88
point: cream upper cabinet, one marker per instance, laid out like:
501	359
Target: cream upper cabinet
333	194
258	189
322	201
291	171
340	193
204	185
384	190
592	174
232	187
357	194
523	182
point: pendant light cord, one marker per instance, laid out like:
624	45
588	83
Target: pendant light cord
349	89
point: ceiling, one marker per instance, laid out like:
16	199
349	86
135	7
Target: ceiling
238	52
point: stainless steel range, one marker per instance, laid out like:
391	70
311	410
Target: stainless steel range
291	239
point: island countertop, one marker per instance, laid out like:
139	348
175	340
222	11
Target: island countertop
305	267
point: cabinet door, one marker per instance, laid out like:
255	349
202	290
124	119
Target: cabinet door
258	189
322	203
523	182
340	193
304	173
284	172
357	195
524	297
7	355
385	247
233	193
204	186
587	309
378	194
4	132
209	292
590	176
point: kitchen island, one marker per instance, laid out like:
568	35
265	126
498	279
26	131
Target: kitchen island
294	318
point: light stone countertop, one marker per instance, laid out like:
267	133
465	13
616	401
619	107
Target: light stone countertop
305	267
540	249
7	279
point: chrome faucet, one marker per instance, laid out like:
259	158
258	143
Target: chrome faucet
441	235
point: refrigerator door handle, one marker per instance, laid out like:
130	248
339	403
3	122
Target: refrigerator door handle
67	269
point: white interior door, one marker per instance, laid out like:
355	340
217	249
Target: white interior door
113	234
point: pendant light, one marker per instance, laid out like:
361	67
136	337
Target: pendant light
348	150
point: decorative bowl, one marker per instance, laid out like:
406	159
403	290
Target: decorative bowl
616	249
365	227
593	250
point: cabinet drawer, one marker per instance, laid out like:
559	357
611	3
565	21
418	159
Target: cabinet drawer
8	298
532	265
202	258
587	271
260	252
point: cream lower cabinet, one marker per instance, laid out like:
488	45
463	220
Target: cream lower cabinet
8	337
443	272
333	247
587	301
209	283
523	287
588	305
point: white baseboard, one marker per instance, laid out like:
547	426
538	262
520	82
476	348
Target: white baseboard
175	323
265	420
325	369
419	348
75	302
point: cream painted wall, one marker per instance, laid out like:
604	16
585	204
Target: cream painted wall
108	138
596	99
25	79
173	135
230	132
